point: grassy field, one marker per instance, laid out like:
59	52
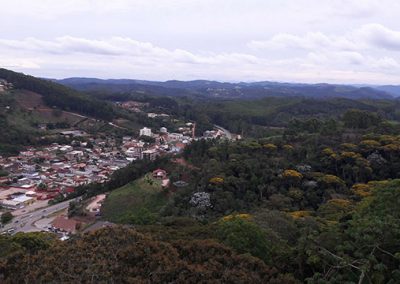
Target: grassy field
137	202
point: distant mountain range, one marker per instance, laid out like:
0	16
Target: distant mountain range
242	90
390	89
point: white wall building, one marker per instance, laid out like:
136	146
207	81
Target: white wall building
145	132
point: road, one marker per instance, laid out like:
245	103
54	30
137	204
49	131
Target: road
226	131
25	222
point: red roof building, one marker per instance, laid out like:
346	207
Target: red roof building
64	224
159	174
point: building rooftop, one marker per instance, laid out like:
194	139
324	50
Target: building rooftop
64	224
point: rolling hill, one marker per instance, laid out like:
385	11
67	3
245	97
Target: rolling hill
214	89
33	109
394	90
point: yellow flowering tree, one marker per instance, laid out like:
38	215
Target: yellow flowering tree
243	216
287	148
270	147
292	177
216	180
332	180
300	214
369	145
362	189
348	147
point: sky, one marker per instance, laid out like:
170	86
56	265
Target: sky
332	41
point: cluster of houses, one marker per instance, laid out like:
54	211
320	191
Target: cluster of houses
164	143
136	106
132	105
44	173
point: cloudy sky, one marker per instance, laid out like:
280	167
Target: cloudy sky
337	41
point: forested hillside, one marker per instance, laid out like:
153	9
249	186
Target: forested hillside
58	95
214	89
30	102
123	255
255	116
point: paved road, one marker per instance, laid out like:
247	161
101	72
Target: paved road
25	222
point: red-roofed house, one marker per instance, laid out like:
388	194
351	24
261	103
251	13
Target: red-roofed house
159	174
64	224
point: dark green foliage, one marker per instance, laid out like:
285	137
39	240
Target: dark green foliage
137	203
245	237
365	248
3	173
24	243
360	119
6	217
142	217
122	255
76	208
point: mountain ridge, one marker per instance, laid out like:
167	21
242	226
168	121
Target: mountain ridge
211	88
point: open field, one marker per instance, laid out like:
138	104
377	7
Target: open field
136	202
34	103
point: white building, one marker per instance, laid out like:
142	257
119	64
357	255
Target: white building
145	132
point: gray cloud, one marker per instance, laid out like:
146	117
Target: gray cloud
381	36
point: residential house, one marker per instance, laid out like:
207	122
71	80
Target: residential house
62	223
159	174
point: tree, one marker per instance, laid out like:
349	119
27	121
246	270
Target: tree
360	119
42	186
367	250
292	177
6	217
245	237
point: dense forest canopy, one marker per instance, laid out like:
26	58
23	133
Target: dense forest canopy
125	256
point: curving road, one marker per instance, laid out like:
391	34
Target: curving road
25	222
